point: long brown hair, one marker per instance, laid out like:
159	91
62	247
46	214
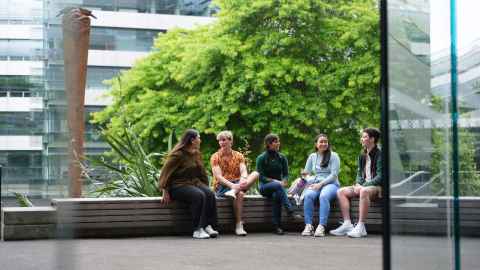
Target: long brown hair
186	140
328	152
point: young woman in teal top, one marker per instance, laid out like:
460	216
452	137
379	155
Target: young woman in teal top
273	169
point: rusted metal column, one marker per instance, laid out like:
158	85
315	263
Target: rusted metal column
76	38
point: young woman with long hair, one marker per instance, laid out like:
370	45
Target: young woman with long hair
184	178
322	169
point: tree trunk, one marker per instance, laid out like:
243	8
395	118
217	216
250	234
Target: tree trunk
76	37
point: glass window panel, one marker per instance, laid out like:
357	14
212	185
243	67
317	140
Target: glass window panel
122	39
420	134
16	48
107	5
165	6
21	123
469	125
133	5
97	75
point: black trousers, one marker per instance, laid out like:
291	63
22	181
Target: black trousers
201	201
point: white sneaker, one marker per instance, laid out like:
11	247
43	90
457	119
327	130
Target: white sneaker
231	193
308	231
358	231
211	232
296	197
320	231
200	234
343	229
239	229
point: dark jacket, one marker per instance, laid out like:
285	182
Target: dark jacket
376	168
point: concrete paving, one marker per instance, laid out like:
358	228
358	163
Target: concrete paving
256	251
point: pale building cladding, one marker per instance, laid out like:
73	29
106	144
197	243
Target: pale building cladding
33	128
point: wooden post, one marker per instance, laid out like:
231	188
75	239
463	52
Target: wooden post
76	37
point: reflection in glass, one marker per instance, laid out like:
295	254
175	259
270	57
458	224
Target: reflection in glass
178	7
419	139
420	130
21	123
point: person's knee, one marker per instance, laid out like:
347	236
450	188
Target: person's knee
198	196
364	193
276	186
341	192
309	195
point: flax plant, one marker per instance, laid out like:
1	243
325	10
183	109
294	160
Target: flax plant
134	172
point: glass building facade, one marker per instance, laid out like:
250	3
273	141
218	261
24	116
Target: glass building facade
33	126
434	133
433	116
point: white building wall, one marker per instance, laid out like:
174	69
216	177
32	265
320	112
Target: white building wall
21	143
8	31
21	104
147	21
21	68
113	58
97	97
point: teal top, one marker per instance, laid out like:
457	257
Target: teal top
327	175
272	166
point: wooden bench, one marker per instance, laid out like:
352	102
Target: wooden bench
429	215
126	217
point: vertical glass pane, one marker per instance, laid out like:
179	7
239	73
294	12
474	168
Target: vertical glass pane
420	134
469	129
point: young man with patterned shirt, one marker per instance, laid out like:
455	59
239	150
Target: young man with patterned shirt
231	177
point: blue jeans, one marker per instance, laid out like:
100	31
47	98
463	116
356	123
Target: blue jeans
324	196
276	192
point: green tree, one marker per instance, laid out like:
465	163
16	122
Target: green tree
469	178
295	68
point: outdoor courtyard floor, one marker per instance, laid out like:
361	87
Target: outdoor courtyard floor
256	251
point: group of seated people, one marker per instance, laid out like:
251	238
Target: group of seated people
184	178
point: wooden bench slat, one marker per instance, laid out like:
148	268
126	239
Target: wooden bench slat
29	215
101	217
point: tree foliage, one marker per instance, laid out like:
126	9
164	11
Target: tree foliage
295	68
469	178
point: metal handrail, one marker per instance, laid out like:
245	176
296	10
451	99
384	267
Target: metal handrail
434	178
408	179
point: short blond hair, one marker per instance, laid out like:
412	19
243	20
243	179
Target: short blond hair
225	134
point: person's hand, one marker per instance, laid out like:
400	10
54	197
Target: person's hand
284	183
166	197
317	186
235	187
243	184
